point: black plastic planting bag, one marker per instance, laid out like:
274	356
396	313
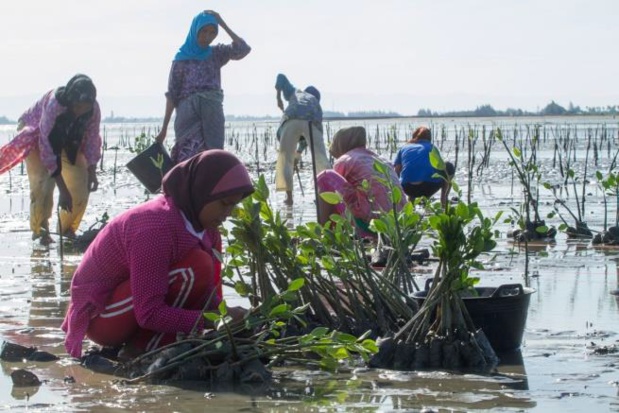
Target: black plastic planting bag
150	166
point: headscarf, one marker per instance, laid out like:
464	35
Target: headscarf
313	91
282	83
203	178
68	131
347	139
79	89
191	50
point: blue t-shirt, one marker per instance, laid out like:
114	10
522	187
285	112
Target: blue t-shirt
415	161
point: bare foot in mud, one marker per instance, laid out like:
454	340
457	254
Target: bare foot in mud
288	200
69	234
43	237
46	239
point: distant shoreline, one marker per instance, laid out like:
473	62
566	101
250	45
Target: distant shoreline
5	121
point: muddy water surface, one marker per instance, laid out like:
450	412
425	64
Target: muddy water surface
571	313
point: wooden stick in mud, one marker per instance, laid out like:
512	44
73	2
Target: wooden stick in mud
311	138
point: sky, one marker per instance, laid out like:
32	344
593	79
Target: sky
390	55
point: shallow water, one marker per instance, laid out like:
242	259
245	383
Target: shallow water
556	369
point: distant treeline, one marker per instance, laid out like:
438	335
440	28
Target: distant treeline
552	109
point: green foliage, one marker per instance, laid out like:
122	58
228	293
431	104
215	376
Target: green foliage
320	266
142	142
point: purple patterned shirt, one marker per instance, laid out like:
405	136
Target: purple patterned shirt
194	76
42	116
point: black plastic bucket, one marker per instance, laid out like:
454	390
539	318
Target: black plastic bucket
501	312
144	166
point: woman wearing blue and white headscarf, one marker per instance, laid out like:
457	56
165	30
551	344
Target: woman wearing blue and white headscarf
194	87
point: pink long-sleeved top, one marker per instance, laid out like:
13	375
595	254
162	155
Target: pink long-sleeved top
141	244
41	118
356	166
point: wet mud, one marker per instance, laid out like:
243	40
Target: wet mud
568	360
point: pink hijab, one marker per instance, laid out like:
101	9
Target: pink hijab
203	178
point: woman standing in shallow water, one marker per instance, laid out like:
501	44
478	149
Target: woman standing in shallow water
194	87
59	139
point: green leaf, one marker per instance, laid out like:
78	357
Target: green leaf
344	337
378	226
222	308
370	345
242	288
296	284
339	353
319	332
212	316
277	310
332	198
516	152
436	160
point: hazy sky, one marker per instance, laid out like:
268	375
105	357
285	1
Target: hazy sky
399	55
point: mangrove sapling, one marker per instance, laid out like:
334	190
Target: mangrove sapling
442	334
399	233
528	173
472	139
488	142
580	228
610	187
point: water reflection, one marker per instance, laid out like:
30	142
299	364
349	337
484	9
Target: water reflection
49	284
24	393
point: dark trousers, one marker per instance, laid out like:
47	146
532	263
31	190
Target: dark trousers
429	188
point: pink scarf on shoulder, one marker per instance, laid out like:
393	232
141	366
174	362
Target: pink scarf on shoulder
18	148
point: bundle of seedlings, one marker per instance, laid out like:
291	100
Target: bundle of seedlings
442	334
342	291
530	226
244	351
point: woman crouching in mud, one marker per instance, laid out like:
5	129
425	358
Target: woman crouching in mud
150	272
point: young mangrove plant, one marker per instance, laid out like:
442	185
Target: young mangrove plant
580	228
529	175
610	187
399	232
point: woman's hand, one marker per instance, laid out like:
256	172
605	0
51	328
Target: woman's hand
216	15
237	313
93	182
65	201
161	136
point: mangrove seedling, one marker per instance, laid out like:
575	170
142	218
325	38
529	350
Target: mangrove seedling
610	187
529	175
